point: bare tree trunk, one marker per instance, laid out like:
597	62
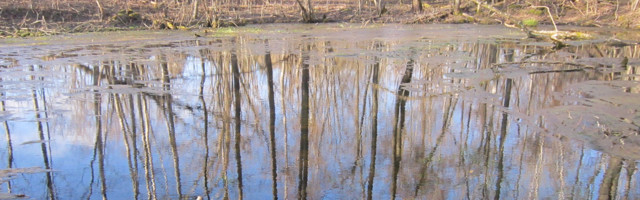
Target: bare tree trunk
211	13
456	7
100	10
307	11
194	15
416	6
380	7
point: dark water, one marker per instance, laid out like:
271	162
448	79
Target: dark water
319	112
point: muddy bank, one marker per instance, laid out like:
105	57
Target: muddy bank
37	18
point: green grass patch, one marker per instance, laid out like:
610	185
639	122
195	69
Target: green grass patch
530	22
535	11
514	6
226	31
582	36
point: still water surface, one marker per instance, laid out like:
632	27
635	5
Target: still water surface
333	111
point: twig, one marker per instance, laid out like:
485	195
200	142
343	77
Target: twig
550	16
233	23
576	8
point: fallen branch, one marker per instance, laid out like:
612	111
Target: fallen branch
556	36
431	17
556	71
581	67
550	16
546	62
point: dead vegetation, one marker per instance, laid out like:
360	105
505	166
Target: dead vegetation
45	17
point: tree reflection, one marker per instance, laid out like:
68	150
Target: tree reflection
399	117
503	137
7	132
149	169
459	119
99	143
375	80
609	186
205	127
43	141
169	119
237	117
127	132
272	120
303	161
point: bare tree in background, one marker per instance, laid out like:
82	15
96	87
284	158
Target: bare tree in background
416	6
307	11
100	10
194	15
379	7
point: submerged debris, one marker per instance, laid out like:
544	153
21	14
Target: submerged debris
7	174
603	114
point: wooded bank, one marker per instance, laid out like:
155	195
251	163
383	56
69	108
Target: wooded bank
20	18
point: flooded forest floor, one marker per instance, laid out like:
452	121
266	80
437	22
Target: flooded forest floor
37	17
